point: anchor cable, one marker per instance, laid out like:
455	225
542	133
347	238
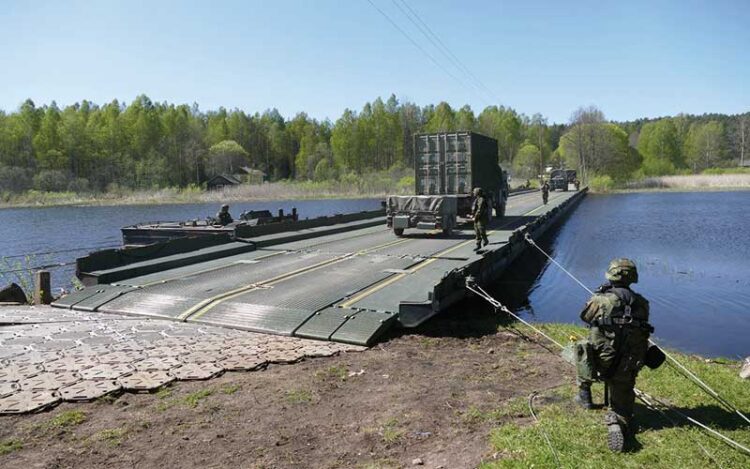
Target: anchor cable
532	396
479	291
682	369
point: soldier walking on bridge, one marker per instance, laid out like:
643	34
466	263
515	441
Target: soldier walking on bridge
616	348
481	216
545	192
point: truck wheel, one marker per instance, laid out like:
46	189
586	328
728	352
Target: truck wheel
398	231
500	211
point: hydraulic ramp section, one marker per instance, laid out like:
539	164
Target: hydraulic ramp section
347	286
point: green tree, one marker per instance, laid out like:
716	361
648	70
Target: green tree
705	145
226	157
659	145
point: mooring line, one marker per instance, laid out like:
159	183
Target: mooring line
684	371
532	396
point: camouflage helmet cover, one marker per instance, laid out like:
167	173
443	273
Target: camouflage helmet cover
225	207
477	191
622	270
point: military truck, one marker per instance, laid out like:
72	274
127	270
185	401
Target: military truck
558	179
447	166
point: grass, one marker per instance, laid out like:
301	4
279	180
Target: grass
333	372
376	184
67	419
194	398
230	389
578	435
391	431
299	396
8	446
693	182
113	436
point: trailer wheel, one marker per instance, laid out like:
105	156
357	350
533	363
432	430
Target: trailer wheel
398	231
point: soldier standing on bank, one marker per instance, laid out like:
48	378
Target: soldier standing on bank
481	216
223	216
616	348
545	192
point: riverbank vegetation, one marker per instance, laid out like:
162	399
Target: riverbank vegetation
89	152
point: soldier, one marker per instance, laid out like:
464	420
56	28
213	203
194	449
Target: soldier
577	184
545	192
481	216
616	348
223	216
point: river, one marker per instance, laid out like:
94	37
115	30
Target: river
60	234
693	254
692	250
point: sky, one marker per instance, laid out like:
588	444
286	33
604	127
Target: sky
631	59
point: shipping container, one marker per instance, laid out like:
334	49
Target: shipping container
455	162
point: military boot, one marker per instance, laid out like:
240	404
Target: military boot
615	433
584	397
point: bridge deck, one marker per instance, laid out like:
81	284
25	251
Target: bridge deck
345	286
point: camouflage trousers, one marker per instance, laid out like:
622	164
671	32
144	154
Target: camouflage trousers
480	232
594	357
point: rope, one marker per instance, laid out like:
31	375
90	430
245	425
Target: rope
471	286
644	398
532	396
684	371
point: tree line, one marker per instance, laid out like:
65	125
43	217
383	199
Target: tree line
85	147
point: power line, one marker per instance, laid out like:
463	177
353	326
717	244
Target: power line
416	44
447	52
435	44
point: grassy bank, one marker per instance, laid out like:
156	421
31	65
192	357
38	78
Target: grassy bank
578	436
243	193
710	180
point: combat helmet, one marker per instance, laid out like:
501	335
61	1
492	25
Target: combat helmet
622	271
477	191
225	207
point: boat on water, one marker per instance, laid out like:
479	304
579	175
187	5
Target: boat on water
143	234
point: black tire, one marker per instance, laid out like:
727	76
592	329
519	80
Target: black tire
500	211
448	231
398	231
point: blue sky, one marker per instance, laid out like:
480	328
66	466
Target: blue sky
632	59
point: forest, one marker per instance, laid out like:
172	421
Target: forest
143	145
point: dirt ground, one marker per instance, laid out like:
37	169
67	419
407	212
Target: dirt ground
415	400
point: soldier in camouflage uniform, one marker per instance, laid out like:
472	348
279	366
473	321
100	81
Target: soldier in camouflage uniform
616	347
223	216
481	216
545	192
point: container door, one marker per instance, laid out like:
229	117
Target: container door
427	164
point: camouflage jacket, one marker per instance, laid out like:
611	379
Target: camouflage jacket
480	210
619	329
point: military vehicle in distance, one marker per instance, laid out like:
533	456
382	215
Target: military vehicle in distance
448	165
558	179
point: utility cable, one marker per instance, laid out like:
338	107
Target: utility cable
447	52
424	32
416	44
684	371
473	287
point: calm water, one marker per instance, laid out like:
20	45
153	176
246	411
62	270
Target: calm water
692	250
693	255
78	230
